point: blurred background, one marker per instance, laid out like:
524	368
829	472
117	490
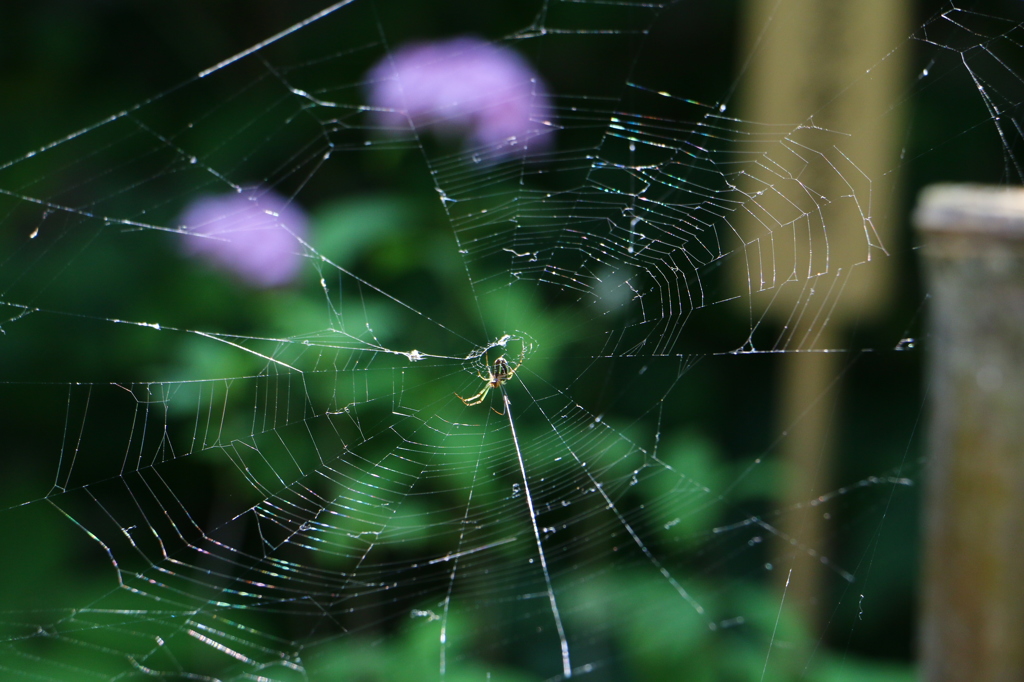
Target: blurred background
123	491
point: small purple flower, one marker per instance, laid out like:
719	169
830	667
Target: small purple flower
255	234
463	87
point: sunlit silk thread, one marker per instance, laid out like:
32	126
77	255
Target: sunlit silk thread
489	95
255	235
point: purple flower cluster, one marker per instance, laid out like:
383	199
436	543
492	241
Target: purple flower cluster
255	235
463	87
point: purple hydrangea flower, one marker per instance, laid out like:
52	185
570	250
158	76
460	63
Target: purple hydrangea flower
463	87
255	235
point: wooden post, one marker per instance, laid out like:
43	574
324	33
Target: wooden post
821	210
973	596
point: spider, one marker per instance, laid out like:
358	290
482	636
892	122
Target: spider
497	374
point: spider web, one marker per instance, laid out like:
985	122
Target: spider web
206	482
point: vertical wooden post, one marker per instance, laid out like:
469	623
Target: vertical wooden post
814	259
973	597
808	403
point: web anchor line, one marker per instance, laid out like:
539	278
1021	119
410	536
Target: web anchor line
566	666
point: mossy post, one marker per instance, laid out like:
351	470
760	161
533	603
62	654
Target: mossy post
972	625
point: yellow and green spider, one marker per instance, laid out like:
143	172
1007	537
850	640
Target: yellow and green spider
497	374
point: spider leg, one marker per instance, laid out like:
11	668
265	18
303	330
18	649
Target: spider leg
496	377
522	356
512	371
487	365
477	399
